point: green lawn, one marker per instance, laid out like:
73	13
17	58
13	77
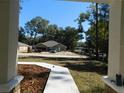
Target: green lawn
86	73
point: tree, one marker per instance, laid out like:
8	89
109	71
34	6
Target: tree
51	32
37	26
97	32
71	38
21	35
102	31
68	36
80	20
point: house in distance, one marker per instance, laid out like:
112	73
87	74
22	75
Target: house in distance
50	46
24	48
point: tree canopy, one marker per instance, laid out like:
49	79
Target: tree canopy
39	30
102	27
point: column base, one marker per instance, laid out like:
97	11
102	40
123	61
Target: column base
13	86
111	87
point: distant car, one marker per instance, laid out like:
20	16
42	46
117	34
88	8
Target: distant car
52	51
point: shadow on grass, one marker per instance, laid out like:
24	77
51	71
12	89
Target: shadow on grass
84	66
97	67
48	58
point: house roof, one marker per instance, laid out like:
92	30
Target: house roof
22	44
50	44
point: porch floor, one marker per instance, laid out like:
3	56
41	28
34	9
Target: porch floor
60	79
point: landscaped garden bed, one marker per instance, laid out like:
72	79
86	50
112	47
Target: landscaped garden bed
35	78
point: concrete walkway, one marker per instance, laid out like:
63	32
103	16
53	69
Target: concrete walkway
59	81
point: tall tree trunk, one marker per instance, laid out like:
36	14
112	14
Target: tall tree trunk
97	37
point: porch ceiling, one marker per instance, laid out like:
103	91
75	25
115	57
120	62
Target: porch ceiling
97	1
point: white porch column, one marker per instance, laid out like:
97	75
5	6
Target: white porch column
116	39
8	43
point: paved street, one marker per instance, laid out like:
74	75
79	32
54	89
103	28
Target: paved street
52	55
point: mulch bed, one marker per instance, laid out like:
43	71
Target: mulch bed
35	78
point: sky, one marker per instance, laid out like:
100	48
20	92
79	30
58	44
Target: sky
58	12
